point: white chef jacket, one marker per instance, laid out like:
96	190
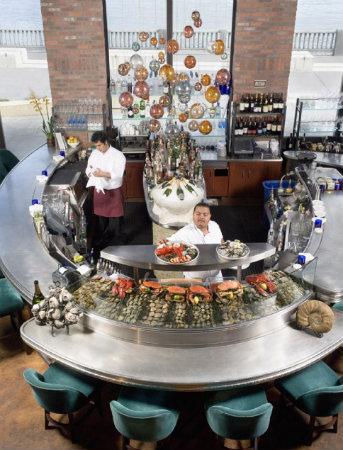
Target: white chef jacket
113	161
191	234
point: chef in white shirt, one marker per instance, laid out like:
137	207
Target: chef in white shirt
108	163
202	230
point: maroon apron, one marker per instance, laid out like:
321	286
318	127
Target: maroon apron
110	204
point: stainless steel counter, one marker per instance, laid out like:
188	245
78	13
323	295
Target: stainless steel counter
324	159
23	259
185	369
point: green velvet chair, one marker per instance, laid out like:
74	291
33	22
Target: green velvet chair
339	305
61	390
10	302
239	414
144	415
7	162
317	391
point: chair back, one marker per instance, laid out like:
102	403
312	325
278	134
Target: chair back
52	397
143	425
239	424
322	402
8	160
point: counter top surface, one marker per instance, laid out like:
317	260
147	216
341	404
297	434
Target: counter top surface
187	369
324	159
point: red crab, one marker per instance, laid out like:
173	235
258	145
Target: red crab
122	287
169	250
229	288
198	294
151	286
176	294
262	284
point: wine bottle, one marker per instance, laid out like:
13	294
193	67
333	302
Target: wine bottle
142	109
265	107
274	126
275	102
242	104
247	103
37	296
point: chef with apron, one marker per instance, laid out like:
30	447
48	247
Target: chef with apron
108	164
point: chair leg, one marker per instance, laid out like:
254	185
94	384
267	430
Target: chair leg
256	443
335	424
309	436
71	427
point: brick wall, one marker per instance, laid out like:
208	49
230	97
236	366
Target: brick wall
263	44
75	44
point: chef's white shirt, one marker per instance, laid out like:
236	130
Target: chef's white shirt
191	234
112	161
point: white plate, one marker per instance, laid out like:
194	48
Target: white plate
222	254
177	264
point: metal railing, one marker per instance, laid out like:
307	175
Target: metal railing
316	42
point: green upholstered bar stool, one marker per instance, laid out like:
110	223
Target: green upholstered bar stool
7	159
317	391
61	390
339	305
144	415
239	414
10	301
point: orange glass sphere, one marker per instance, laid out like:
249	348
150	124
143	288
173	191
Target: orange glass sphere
161	55
198	23
223	77
143	36
190	62
196	111
123	69
172	46
195	15
164	101
206	80
167	73
182	117
198	86
141	89
156	111
126	99
154	125
161	60
153	41
188	31
212	94
141	74
220	47
205	127
162	40
193	125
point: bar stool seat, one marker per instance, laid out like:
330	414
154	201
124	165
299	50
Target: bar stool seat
10	301
144	415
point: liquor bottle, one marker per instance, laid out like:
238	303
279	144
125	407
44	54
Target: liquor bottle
242	104
269	126
265	107
245	127
270	103
259	128
274	126
247	103
37	296
142	109
237	127
281	103
275	102
130	112
251	103
290	142
279	126
264	126
147	109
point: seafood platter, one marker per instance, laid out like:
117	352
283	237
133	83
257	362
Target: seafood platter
231	250
152	304
176	253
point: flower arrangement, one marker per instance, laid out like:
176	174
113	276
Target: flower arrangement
39	104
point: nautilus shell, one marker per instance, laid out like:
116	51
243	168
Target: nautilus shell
315	314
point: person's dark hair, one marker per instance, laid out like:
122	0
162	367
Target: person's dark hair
203	204
99	136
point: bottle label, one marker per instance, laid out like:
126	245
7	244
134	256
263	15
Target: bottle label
266	108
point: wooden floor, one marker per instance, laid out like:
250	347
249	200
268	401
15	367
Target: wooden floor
22	422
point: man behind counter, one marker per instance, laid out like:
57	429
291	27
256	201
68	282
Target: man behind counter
202	230
109	163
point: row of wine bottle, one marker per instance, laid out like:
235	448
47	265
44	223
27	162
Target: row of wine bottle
261	103
258	126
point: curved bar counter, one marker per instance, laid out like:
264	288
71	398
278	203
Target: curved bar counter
256	358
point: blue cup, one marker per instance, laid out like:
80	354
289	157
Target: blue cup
318	223
301	259
45	173
34	201
62	153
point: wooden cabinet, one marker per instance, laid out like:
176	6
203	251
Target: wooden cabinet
246	178
133	180
217	181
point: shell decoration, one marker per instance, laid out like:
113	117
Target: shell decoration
315	314
57	310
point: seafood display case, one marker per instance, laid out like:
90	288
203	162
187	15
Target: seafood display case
183	313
